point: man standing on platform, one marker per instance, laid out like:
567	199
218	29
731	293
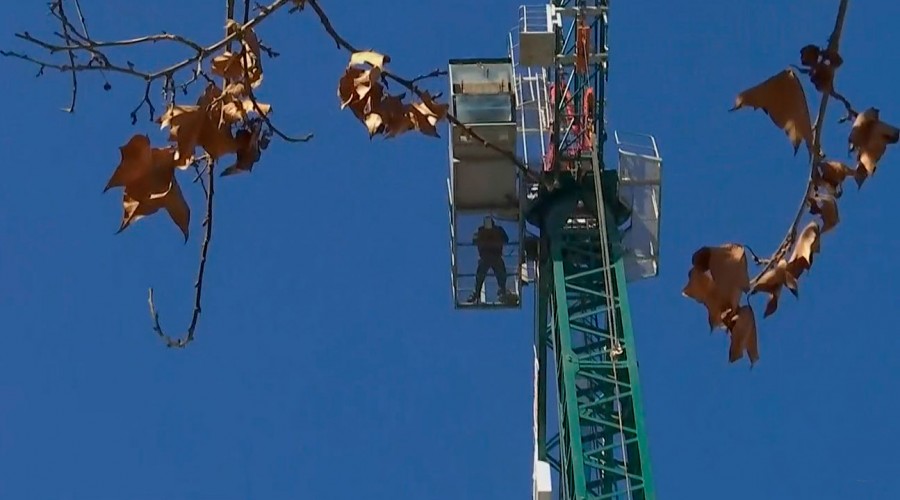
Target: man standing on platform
490	239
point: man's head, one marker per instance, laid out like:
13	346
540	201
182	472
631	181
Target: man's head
488	222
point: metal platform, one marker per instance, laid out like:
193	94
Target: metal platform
640	176
483	183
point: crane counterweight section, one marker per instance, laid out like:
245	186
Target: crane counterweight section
484	186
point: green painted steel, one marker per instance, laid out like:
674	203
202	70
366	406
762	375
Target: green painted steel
583	321
602	446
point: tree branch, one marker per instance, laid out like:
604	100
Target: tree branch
817	156
342	43
76	42
58	5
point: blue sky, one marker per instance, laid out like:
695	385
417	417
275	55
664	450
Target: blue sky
330	363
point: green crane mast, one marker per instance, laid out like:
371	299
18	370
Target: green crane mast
585	229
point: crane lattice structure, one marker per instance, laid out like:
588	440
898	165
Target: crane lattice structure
580	231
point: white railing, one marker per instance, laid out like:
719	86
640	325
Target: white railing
532	102
648	149
534	18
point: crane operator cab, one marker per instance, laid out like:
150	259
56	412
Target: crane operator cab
484	187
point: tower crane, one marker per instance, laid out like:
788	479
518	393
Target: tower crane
578	231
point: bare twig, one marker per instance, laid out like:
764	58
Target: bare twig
58	5
89	44
198	286
851	113
75	42
84	27
264	115
785	246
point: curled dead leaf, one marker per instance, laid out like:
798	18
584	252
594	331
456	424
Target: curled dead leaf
830	175
782	98
807	245
243	66
396	119
742	328
728	268
362	92
869	138
821	65
772	281
717	279
824	205
701	257
369	57
809	55
201	125
248	151
236	111
701	288
426	114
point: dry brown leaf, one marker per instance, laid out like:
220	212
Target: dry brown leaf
374	123
216	140
361	91
157	188
236	90
247	153
701	257
230	65
809	55
782	98
184	124
825	205
822	78
233	65
347	86
772	281
423	119
203	125
249	39
396	119
369	57
136	162
173	201
235	111
742	327
368	85
807	245
821	65
717	279
701	288
869	138
728	268
831	175
426	114
699	285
